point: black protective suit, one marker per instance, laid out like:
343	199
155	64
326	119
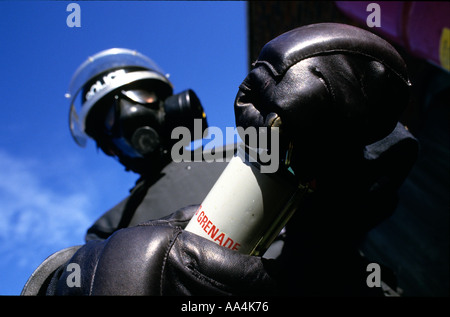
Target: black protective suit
152	197
330	85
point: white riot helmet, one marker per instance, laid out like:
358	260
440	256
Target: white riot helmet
123	100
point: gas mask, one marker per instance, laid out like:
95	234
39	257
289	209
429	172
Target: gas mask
121	99
137	125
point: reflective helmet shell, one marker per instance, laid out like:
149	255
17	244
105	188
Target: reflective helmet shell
114	60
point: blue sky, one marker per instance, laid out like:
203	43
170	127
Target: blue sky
51	190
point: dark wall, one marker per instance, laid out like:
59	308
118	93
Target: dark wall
268	19
414	242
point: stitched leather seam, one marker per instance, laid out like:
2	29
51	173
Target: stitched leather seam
302	57
316	71
95	270
177	231
204	278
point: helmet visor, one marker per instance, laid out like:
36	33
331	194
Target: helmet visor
112	59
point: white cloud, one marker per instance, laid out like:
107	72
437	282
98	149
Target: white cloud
36	218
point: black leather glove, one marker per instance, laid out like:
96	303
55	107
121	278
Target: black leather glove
336	92
160	258
335	88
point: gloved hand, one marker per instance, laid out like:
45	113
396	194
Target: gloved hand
160	258
336	92
335	88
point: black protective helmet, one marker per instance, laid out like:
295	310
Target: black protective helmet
103	73
123	100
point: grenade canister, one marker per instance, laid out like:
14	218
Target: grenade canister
245	208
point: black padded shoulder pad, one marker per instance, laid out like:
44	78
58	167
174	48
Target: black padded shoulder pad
40	279
324	38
